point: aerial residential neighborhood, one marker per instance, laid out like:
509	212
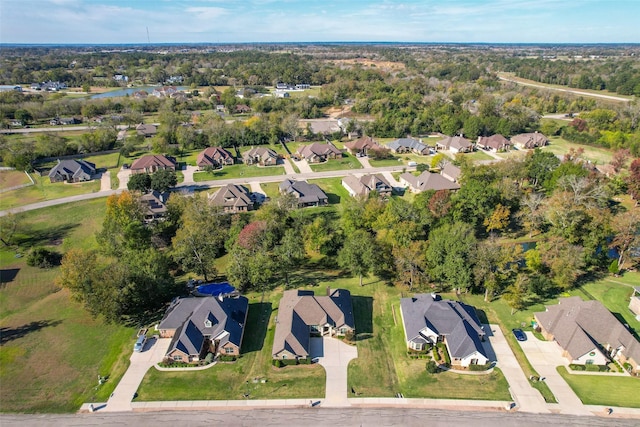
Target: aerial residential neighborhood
348	232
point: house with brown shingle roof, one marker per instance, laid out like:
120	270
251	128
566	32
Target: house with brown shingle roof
146	130
302	315
427	181
588	333
455	144
153	163
528	141
260	156
364	185
494	143
451	172
232	198
362	145
214	157
317	152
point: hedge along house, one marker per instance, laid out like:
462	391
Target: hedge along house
205	325
302	315
428	320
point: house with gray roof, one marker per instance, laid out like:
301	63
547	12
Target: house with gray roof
364	185
260	156
199	326
72	170
317	152
302	315
455	144
427	320
408	145
232	198
307	194
427	181
154	205
588	333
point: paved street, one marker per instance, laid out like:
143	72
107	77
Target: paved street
334	356
526	397
154	352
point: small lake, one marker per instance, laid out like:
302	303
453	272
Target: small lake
129	91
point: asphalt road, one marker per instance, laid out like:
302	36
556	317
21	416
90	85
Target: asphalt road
319	417
575	92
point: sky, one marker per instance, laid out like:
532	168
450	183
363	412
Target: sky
239	21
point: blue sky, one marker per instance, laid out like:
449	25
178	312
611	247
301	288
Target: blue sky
222	21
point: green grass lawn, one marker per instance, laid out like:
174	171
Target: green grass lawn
52	349
333	189
238	171
346	162
478	155
396	161
271	189
604	390
598	155
45	190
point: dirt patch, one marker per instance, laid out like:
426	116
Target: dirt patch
10	179
383	65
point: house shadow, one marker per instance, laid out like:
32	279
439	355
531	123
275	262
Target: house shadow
333	198
486	344
8	275
482	316
316	348
10	334
257	324
363	314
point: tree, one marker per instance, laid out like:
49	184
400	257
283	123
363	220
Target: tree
9	224
290	252
539	165
78	273
163	180
531	213
564	261
439	161
449	254
122	210
410	264
626	228
517	295
139	182
620	159
633	181
358	254
499	219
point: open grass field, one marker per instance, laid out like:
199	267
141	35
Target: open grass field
478	155
603	390
52	350
45	190
346	162
598	155
238	171
12	178
387	162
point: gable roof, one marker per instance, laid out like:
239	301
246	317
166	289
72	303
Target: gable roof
365	184
450	171
143	129
231	196
155	202
188	316
212	155
429	181
455	320
151	160
317	149
410	143
72	168
300	309
261	152
530	140
455	142
366	142
497	141
305	192
578	326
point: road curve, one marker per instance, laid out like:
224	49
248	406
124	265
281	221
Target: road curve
573	91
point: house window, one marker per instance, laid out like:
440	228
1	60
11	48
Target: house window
228	350
589	362
343	331
177	358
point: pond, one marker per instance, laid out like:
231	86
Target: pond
129	91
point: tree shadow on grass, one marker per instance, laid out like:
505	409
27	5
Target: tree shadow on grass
10	334
8	275
256	327
48	236
333	199
363	313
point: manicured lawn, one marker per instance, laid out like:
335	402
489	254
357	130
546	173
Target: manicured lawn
52	349
12	178
346	162
478	155
238	171
333	189
271	189
598	155
396	161
45	190
604	390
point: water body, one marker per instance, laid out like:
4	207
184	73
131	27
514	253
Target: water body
129	91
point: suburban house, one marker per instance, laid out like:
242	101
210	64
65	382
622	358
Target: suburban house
61	121
146	130
317	152
634	303
204	325
214	157
72	171
494	143
242	109
260	156
408	145
455	144
362	145
362	186
588	333
451	172
302	315
164	91
307	194
527	141
427	181
427	320
153	163
154	205
232	198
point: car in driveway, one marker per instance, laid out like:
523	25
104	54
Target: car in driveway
519	334
140	342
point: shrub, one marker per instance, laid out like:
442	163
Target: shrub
422	167
227	358
305	361
277	363
43	258
289	362
478	368
613	267
432	367
575	367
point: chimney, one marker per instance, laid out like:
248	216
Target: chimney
328	291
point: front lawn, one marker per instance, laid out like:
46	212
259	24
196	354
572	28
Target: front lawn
604	390
238	171
346	162
396	161
333	189
45	190
478	155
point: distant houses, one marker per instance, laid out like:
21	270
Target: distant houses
65	121
307	194
146	130
528	141
72	171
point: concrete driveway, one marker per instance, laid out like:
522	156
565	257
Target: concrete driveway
153	352
303	166
334	356
105	181
288	168
545	356
123	177
526	397
187	172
